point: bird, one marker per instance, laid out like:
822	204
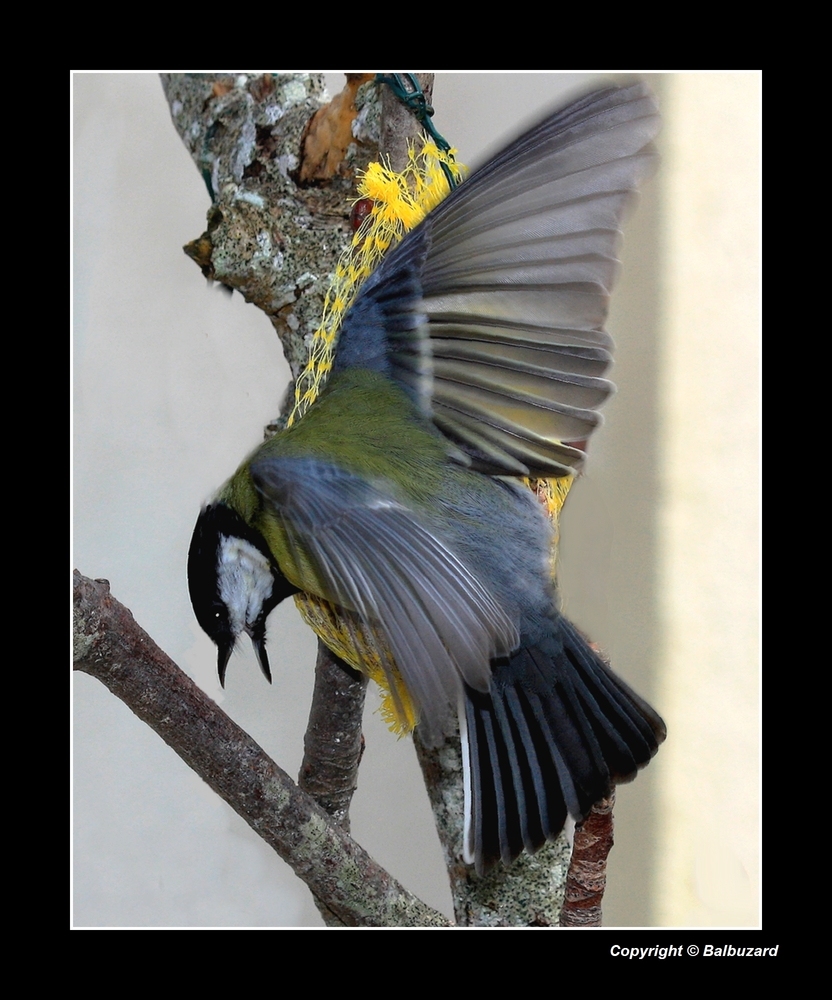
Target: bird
471	360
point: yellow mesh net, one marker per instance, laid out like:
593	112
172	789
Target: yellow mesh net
399	202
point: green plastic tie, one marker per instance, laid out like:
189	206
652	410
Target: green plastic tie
409	91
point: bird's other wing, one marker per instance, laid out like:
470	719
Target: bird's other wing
369	553
491	312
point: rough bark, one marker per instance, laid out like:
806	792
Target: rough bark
110	645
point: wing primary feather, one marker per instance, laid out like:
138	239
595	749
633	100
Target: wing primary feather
524	252
373	555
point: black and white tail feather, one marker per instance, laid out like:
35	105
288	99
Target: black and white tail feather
555	731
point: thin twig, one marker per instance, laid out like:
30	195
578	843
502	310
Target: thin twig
333	744
587	877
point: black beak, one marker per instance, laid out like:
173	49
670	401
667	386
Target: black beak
224	648
259	642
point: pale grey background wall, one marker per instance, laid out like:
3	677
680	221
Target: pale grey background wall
173	384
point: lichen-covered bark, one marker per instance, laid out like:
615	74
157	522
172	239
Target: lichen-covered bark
269	236
529	893
110	645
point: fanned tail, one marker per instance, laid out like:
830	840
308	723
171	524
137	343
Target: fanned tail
554	733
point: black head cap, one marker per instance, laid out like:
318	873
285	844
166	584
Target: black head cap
234	582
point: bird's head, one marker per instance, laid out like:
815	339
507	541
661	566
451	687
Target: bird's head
234	582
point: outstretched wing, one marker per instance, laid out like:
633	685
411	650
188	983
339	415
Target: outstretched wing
491	312
364	550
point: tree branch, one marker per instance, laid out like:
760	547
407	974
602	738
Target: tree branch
588	871
271	238
110	645
334	743
529	893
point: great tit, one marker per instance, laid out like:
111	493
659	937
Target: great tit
474	355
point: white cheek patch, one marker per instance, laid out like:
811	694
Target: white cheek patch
245	581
